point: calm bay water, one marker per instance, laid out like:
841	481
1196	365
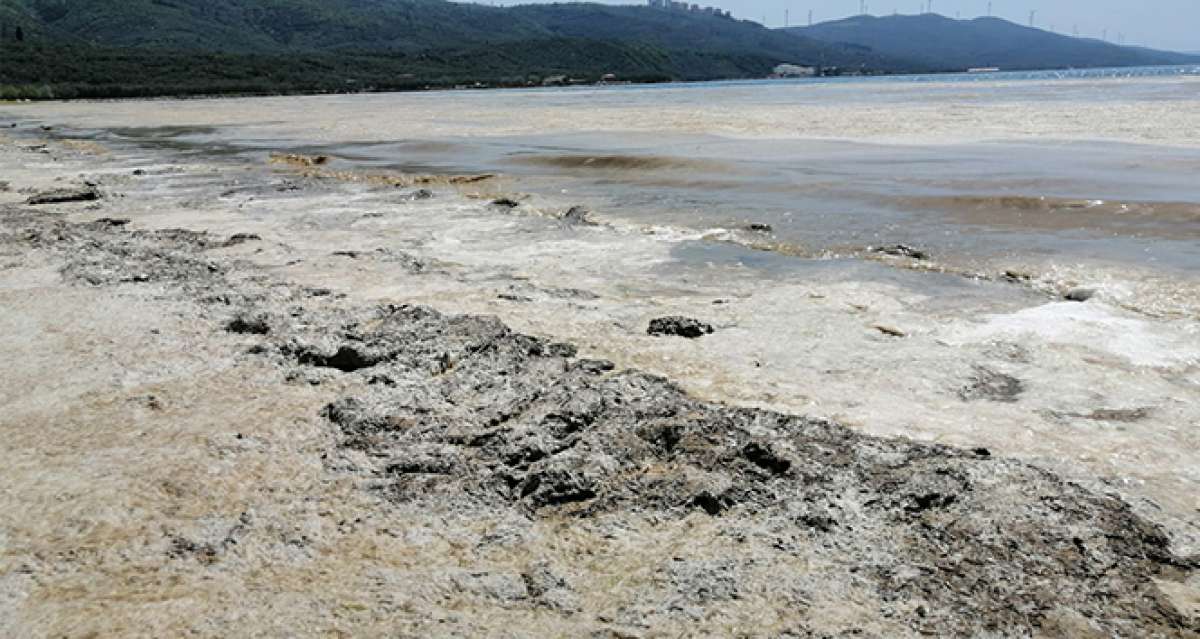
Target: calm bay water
1087	169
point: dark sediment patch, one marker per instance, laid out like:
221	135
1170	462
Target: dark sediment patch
468	415
505	203
987	384
1115	415
407	261
619	162
900	250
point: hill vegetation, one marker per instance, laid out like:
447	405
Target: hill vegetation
121	48
937	42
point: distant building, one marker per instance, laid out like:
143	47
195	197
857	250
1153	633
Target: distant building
684	7
794	71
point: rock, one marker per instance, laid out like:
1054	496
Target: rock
242	238
900	250
1080	294
505	203
62	196
760	228
420	194
1016	277
139	172
578	215
679	327
5	186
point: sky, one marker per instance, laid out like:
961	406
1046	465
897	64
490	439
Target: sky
1164	24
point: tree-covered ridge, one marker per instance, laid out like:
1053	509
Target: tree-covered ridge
149	47
953	45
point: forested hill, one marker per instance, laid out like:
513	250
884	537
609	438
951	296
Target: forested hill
948	45
72	48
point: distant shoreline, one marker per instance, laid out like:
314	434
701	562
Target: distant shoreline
1181	70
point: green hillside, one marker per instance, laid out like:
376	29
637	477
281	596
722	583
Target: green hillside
150	47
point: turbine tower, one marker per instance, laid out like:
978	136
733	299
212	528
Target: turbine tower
1032	15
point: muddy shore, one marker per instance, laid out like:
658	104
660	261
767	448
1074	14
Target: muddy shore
221	424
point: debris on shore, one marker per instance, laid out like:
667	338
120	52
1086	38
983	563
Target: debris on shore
679	327
900	250
65	195
578	215
297	159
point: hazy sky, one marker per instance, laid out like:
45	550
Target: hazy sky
1169	24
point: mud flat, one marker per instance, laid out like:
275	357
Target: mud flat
243	400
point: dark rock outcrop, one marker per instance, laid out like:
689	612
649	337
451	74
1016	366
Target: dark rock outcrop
679	327
63	196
